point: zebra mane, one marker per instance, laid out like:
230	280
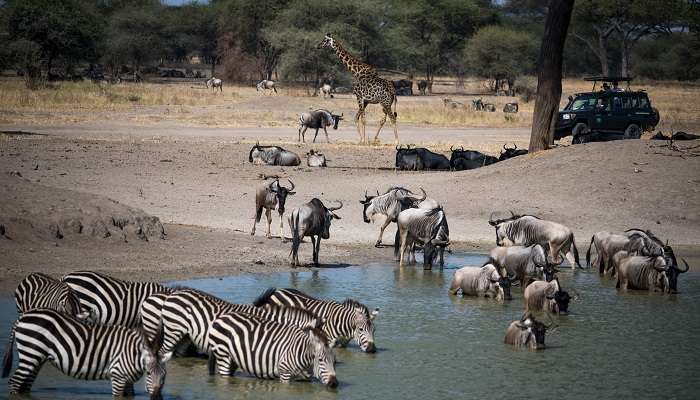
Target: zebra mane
264	297
354	303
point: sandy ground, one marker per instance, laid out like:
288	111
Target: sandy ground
199	183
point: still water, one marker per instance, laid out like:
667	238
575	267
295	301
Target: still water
434	346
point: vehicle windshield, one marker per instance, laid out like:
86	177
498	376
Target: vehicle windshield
582	103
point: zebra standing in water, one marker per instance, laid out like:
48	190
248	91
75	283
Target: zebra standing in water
114	301
190	312
39	290
90	352
342	321
267	349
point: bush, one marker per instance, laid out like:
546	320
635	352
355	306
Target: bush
526	89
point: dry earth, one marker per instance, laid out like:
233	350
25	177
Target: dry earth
199	183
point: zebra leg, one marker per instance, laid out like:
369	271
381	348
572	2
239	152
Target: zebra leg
26	372
120	384
268	214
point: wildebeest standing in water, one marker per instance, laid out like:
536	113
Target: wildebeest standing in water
483	281
546	296
527	332
388	205
268	196
526	230
273	155
311	219
642	273
422	226
524	263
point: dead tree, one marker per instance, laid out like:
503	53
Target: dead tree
549	74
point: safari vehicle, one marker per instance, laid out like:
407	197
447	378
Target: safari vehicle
610	110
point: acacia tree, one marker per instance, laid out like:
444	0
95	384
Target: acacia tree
549	74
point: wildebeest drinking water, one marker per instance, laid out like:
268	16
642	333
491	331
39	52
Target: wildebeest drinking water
311	219
388	206
316	120
641	272
269	195
526	230
524	263
527	332
422	226
272	155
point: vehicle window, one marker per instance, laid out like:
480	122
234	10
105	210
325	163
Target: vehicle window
617	103
603	103
635	101
626	103
643	102
583	104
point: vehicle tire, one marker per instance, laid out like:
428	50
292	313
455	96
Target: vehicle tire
633	131
580	129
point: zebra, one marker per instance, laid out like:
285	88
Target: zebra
268	350
190	312
39	290
90	352
114	301
342	321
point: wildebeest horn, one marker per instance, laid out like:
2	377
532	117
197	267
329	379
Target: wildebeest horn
512	214
275	185
377	192
515	146
397	148
687	267
491	220
336	208
291	183
451	148
504	147
461	148
366	197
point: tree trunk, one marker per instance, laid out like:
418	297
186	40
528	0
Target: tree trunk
603	54
549	74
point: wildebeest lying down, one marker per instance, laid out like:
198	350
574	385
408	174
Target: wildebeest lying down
546	296
273	155
315	159
526	230
527	332
420	158
461	159
676	136
509	152
640	272
311	219
483	281
597	137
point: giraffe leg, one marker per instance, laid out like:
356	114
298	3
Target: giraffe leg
360	120
381	124
392	117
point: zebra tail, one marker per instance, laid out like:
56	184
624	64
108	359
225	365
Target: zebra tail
7	359
211	364
573	244
296	240
264	298
588	253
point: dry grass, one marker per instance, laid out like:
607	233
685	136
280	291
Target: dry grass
192	104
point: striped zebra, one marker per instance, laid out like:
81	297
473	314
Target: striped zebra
268	350
114	301
89	352
190	312
39	290
342	321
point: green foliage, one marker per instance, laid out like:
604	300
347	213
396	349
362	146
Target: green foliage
675	56
501	53
134	36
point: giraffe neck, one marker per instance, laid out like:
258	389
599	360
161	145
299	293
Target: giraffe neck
351	63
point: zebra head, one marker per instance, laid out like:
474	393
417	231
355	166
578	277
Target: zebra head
327	42
153	363
324	358
364	325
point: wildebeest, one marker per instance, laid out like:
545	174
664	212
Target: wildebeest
511	152
510	108
592	137
479	105
484	281
641	272
428	159
673	270
388	206
607	244
449	103
469	159
423	226
215	83
316	120
315	159
272	155
524	263
268	196
422	85
546	296
527	332
311	219
403	87
266	85
526	230
676	136
326	90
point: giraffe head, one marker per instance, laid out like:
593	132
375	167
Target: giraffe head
326	42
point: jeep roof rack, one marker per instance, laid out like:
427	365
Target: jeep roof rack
612	79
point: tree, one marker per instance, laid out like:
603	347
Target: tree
135	36
501	54
68	30
549	74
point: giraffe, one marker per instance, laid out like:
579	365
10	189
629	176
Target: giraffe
368	87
